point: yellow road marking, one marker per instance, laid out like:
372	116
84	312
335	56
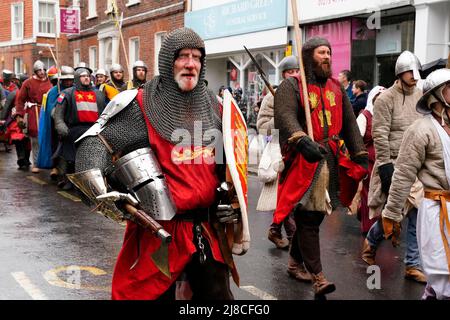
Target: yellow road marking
28	286
69	196
37	180
73	274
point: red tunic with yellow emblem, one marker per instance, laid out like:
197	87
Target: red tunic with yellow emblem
298	179
193	186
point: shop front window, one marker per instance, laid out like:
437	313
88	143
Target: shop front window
375	52
338	34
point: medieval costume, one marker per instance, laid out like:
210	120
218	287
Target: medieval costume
426	156
364	121
154	118
48	140
306	161
265	124
77	108
28	105
14	130
394	112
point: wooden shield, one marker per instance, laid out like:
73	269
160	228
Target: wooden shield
235	141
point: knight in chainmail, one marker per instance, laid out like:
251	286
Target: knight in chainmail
77	108
174	114
311	164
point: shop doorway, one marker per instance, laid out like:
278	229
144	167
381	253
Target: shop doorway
386	70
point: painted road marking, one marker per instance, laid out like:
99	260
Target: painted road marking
28	286
258	293
69	196
73	277
37	180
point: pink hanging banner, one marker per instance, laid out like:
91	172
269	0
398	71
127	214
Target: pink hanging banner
70	21
339	35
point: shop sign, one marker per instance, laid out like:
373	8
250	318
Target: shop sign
70	21
313	10
238	17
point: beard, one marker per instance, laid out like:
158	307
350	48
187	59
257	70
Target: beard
184	84
322	70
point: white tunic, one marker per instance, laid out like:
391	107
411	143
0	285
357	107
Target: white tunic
431	247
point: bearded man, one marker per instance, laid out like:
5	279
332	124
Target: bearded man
77	108
305	181
150	120
139	75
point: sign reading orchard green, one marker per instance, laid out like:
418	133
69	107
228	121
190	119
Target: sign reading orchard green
238	17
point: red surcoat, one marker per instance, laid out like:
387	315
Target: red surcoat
300	174
192	186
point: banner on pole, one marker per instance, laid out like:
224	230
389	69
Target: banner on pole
70	21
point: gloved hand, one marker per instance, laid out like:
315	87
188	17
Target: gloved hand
226	213
392	229
311	151
386	171
362	160
62	130
20	122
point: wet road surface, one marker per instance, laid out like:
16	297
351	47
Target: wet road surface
52	247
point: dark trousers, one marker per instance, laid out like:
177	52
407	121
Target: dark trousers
289	227
23	151
306	243
208	281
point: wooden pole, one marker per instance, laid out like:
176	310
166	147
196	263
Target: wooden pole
57	56
302	69
116	12
130	74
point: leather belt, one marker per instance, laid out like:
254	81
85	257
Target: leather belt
196	215
443	196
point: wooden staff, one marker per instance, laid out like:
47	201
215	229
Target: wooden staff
116	12
57	66
302	69
57	56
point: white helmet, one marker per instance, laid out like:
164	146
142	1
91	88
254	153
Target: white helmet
83	65
101	72
433	85
115	67
66	73
138	64
407	61
38	65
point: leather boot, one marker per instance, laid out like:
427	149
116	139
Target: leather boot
54	174
298	271
275	237
321	285
414	273
368	253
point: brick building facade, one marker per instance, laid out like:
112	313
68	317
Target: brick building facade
144	24
27	29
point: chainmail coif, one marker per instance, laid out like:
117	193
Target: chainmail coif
169	108
77	82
